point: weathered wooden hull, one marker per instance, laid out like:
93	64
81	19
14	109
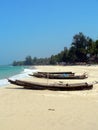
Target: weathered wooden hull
55	86
68	72
59	76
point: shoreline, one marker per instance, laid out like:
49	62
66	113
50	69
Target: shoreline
22	75
22	109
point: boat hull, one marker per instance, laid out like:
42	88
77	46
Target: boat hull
54	86
59	76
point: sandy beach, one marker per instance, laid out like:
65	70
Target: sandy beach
22	109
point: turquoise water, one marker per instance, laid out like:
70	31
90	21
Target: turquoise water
8	71
14	72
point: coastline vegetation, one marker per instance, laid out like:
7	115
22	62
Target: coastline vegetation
83	49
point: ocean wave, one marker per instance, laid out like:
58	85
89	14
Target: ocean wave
25	73
3	82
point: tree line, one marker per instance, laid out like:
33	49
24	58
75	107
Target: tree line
83	49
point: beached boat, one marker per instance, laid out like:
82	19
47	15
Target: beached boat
59	75
67	72
52	86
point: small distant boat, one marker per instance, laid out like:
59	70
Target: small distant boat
52	86
58	75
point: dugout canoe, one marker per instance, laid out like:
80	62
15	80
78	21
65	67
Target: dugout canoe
52	86
68	72
59	76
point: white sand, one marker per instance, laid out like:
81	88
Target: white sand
22	109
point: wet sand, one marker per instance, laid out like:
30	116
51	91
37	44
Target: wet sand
22	109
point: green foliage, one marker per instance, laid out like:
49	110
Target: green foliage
96	47
28	60
72	55
18	63
83	49
80	46
53	60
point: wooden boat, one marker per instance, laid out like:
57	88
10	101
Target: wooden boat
53	86
68	72
59	76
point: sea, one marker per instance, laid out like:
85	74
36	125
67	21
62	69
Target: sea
14	72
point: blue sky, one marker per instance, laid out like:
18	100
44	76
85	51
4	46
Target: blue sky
43	27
